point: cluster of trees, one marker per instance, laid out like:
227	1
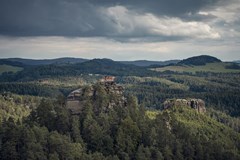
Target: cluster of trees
233	122
121	132
34	89
16	107
233	66
218	90
11	63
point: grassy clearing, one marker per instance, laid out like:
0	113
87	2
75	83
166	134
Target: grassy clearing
210	67
152	114
8	68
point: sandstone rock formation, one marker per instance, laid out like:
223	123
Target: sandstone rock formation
106	87
196	104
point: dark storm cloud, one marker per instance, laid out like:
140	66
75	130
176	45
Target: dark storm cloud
165	7
84	18
52	17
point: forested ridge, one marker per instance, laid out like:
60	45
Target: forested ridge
95	66
51	132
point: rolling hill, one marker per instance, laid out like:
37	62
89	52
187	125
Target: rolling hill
199	60
36	62
35	69
95	66
11	63
108	66
202	63
9	68
68	60
145	63
219	67
237	61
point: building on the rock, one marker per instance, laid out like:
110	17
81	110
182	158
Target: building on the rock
108	79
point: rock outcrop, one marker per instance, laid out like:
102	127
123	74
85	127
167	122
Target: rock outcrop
106	87
196	104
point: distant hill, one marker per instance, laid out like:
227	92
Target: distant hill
36	62
11	63
233	66
217	67
146	63
236	61
95	66
199	60
108	66
9	68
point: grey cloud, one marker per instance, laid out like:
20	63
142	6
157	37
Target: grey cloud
163	7
128	23
84	18
198	17
36	18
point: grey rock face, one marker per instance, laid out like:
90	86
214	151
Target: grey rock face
196	104
78	98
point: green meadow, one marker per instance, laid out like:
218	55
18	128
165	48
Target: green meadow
8	68
209	67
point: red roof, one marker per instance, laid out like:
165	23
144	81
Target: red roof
109	78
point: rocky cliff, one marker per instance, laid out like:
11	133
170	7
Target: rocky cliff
104	95
196	104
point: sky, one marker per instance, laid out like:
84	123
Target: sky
120	29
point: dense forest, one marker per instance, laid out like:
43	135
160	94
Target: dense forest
36	124
51	132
